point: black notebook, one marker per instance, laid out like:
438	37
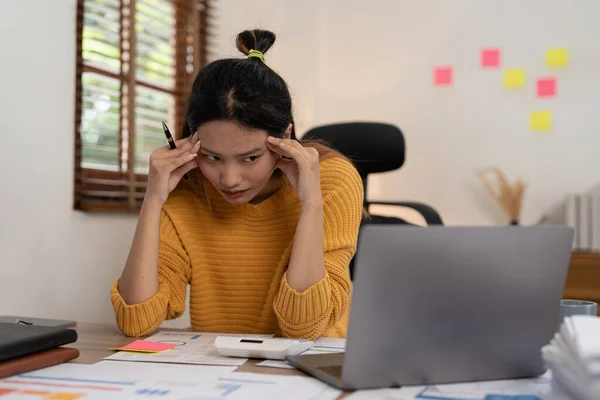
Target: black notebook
17	340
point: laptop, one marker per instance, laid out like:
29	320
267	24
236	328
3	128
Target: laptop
17	340
448	304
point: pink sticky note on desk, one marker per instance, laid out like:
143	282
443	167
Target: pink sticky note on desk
490	58
146	346
546	87
442	76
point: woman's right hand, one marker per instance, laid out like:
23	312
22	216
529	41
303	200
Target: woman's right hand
167	167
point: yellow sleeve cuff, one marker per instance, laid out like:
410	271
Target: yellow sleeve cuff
142	318
303	315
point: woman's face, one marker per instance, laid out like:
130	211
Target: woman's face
235	160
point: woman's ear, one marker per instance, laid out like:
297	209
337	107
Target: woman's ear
288	132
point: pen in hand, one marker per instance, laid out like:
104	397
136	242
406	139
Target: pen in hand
172	144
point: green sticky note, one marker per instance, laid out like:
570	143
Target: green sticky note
514	77
540	121
557	58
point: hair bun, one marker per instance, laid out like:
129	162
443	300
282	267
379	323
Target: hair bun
256	39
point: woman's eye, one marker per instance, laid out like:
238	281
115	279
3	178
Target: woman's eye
251	159
212	158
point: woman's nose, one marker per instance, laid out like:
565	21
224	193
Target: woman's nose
230	178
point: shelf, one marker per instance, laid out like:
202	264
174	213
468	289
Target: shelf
583	279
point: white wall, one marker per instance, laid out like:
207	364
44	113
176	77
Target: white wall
349	60
343	60
294	55
376	63
55	262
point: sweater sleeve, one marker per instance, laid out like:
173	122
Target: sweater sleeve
311	313
174	273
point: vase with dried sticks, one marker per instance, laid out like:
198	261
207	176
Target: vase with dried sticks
508	195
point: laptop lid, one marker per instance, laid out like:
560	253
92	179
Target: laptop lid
449	304
17	340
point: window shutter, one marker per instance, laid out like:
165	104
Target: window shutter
136	60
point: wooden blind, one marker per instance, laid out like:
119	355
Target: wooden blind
136	60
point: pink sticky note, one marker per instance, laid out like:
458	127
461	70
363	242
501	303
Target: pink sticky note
146	346
442	76
546	87
490	58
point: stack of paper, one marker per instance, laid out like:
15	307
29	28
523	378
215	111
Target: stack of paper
573	356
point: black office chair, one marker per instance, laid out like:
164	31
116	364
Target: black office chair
372	147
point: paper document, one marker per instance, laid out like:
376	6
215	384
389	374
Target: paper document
191	348
158	372
321	345
327	345
480	390
275	364
403	393
81	381
527	389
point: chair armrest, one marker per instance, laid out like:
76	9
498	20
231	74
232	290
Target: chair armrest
431	216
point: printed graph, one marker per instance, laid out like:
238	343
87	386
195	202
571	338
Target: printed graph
226	388
42	395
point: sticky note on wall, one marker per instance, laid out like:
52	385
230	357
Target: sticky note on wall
557	58
546	87
490	58
540	121
442	76
514	77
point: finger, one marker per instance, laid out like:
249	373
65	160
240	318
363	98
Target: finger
193	138
298	146
312	151
277	150
285	165
188	148
286	147
166	166
272	145
185	168
181	145
187	143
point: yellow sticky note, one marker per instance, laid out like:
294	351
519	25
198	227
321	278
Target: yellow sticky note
557	57
540	121
514	77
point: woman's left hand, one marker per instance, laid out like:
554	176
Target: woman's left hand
301	166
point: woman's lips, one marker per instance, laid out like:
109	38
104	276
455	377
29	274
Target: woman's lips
235	193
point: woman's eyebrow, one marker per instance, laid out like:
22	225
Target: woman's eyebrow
253	151
247	153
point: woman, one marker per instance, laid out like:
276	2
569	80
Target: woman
264	230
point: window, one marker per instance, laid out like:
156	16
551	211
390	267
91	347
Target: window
136	60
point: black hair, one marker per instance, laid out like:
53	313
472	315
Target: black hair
244	90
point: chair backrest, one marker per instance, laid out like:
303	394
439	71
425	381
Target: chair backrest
372	146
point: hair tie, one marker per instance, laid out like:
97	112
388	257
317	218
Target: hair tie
257	54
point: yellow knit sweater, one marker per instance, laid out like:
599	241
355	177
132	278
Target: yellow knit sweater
235	257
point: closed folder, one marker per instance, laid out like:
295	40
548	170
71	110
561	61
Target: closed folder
39	360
